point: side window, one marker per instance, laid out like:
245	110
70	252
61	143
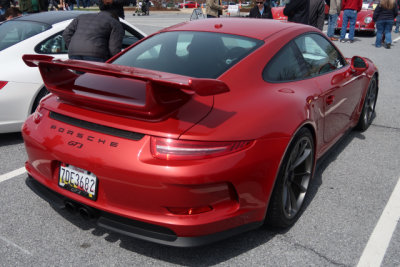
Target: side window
53	45
286	65
320	55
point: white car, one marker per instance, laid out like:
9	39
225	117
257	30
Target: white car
21	87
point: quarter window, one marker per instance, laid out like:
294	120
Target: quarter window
307	56
287	65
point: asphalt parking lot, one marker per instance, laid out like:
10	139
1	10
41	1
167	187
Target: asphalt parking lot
351	215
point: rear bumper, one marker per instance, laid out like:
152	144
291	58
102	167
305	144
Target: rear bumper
136	187
138	229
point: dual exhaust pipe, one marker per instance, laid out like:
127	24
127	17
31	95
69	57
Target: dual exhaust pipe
86	212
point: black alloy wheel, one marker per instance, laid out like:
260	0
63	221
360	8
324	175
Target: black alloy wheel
293	181
368	111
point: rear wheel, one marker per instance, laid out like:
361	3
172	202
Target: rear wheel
368	111
293	181
42	93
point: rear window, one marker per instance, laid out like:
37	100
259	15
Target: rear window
12	32
195	54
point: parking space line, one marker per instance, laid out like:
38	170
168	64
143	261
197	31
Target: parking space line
15	245
395	40
12	174
379	240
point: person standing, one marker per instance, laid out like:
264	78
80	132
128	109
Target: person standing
317	13
33	6
297	11
214	8
384	15
115	6
396	30
334	11
261	10
94	37
5	4
350	9
68	4
11	12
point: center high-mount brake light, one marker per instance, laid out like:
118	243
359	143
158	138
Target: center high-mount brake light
173	149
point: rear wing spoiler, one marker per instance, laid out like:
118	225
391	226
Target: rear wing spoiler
120	89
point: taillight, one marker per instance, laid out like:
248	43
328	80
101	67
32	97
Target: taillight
2	84
173	149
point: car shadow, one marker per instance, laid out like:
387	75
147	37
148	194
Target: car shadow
324	162
214	253
10	139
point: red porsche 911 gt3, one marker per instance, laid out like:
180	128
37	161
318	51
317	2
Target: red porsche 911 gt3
201	131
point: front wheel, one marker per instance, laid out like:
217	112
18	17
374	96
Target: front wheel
293	181
368	111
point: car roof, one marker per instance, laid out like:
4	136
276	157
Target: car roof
51	17
249	27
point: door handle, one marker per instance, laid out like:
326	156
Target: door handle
329	99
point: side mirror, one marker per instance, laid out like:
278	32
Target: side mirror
358	64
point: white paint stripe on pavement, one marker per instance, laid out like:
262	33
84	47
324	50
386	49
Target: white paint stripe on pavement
12	174
380	238
395	40
15	245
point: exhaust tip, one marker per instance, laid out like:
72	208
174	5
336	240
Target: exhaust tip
87	213
70	207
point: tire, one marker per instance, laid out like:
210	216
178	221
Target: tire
292	182
368	111
42	93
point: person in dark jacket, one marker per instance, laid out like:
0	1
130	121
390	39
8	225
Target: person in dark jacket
94	37
115	6
350	9
317	14
261	10
383	17
297	11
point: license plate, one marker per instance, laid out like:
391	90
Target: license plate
78	181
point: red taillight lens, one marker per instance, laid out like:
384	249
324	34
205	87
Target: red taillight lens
2	84
173	149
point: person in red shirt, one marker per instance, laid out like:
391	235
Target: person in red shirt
350	9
